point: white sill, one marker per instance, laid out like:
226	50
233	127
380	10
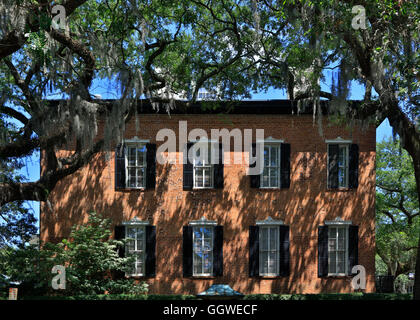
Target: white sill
203	275
269	275
269	187
200	188
337	275
136	188
134	275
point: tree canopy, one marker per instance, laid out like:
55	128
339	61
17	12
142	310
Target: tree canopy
397	207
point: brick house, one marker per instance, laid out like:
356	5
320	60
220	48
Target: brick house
298	227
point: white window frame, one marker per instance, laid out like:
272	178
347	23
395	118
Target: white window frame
137	145
205	165
271	145
339	224
141	250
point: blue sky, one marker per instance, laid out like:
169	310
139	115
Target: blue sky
31	170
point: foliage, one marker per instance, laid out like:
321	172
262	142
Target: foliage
115	297
90	258
325	296
397	207
331	296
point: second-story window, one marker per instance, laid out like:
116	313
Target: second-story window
203	168
136	166
270	178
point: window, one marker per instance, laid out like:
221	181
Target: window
337	250
269	251
203	241
136	246
270	178
343	165
203	169
136	166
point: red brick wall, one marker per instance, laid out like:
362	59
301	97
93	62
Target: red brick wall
304	206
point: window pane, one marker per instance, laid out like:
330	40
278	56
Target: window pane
131	233
273	238
141	153
274	161
265	178
199	177
263	239
264	262
207	177
130	245
331	262
207	263
332	233
332	244
266	156
274	177
341	262
272	264
131	156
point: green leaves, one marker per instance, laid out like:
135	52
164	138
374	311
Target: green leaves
397	207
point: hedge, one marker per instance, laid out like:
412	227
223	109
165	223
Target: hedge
285	297
331	296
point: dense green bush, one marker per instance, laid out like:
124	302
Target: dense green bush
90	258
330	296
115	297
284	297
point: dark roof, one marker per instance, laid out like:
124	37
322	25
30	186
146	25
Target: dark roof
216	107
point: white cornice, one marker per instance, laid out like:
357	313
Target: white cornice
135	222
338	222
136	140
269	222
338	140
203	222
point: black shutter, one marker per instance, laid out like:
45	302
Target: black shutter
353	247
285	165
333	166
120	167
322	251
284	251
254	251
188	182
255	179
354	166
218	170
218	251
187	251
150	166
119	234
150	251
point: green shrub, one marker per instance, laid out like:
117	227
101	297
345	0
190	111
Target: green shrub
331	296
89	256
